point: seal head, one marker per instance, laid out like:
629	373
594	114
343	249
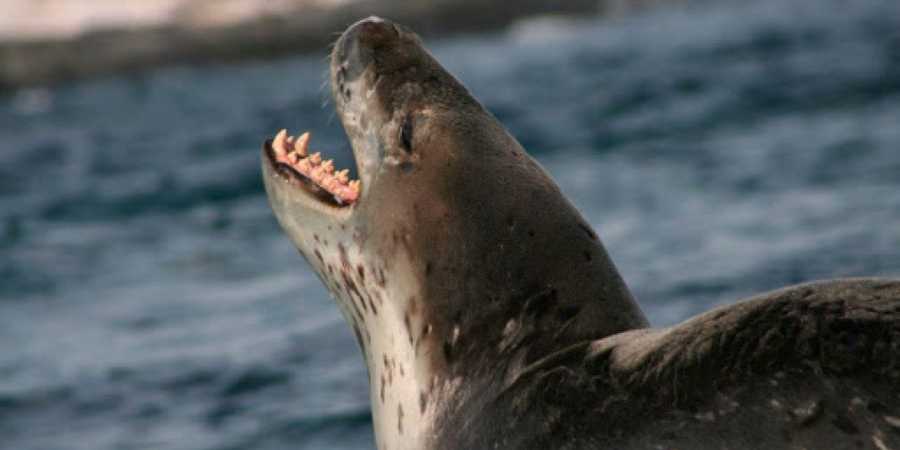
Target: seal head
460	263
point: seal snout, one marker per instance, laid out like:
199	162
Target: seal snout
354	50
372	31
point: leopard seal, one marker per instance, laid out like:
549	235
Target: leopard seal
490	315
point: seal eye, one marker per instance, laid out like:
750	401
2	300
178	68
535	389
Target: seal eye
406	131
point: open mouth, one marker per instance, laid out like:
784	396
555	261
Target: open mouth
290	158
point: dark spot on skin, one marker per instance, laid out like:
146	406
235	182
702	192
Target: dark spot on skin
530	233
380	278
428	268
379	298
566	313
876	407
330	270
588	231
358	334
448	351
541	302
423	401
400	418
316	237
359	316
406	166
382	388
361	271
350	285
372	305
319	255
843	423
408	329
587	256
345	262
406	133
362	303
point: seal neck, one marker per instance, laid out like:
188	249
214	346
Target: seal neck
441	336
380	299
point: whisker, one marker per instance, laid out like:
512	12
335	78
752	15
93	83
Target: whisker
326	100
333	43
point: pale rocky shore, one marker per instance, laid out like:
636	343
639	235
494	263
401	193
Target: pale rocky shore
49	41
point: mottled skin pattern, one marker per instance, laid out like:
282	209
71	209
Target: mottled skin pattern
491	317
815	366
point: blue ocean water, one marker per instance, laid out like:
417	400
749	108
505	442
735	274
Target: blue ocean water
148	299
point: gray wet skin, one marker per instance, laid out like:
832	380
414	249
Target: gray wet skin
490	315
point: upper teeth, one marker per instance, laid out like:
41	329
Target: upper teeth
302	144
278	143
293	152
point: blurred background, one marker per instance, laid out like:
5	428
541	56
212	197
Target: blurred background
148	299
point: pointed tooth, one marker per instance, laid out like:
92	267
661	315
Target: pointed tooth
316	174
290	142
315	158
328	166
293	157
354	186
330	183
302	144
343	176
278	142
